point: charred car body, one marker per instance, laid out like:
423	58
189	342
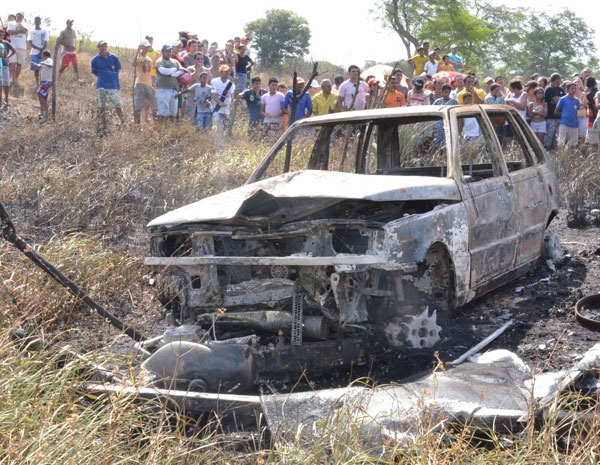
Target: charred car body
355	231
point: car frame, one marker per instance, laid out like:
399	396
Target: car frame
356	229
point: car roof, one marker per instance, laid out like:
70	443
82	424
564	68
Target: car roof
385	113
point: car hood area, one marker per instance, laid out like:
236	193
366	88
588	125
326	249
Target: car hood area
296	195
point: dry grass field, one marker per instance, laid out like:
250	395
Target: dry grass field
83	200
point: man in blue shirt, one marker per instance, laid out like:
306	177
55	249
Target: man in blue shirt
456	59
567	108
304	105
106	67
252	97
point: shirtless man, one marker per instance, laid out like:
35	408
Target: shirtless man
67	39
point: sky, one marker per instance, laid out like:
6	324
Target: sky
341	36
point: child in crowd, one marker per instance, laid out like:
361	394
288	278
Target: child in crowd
537	112
45	67
202	98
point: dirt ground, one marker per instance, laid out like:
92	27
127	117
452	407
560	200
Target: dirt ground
545	332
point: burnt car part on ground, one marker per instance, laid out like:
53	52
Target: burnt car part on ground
495	391
355	234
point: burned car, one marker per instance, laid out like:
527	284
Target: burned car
357	230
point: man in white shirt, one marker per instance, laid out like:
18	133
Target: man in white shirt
223	89
37	40
18	39
353	92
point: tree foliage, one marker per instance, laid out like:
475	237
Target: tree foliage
493	37
562	42
280	34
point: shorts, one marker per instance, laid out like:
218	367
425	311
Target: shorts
567	136
109	95
5	73
68	57
143	94
35	59
19	57
539	127
167	103
44	89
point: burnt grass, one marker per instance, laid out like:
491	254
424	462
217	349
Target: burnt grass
544	333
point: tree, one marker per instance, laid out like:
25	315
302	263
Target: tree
406	18
492	36
442	23
280	34
555	43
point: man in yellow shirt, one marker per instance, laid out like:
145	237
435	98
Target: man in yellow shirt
417	63
478	94
325	102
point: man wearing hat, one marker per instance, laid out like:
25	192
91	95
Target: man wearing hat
143	92
106	67
18	39
167	85
303	103
223	90
68	40
456	59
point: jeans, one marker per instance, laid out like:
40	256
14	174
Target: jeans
204	120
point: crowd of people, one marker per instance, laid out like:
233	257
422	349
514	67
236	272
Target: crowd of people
195	80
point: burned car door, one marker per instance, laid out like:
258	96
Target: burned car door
490	200
532	192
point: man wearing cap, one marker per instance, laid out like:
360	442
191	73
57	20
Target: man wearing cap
431	67
18	39
314	88
223	90
374	92
455	59
68	40
37	40
166	83
153	55
417	96
106	67
303	102
143	93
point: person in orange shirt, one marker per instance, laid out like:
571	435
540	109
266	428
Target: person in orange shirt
393	97
445	65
